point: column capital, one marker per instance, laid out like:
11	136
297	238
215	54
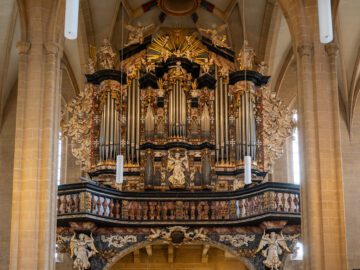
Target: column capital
332	49
51	48
23	47
305	49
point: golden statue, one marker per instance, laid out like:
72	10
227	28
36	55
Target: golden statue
136	35
218	39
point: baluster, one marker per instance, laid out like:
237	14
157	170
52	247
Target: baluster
214	210
286	202
118	207
77	202
62	204
106	207
246	207
158	211
164	211
193	210
99	206
111	205
94	199
138	211
146	210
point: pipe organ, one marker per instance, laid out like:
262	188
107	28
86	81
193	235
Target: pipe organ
183	113
132	127
222	116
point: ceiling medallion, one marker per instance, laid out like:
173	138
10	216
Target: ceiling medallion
178	8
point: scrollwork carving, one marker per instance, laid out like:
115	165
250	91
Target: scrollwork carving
76	124
277	126
118	241
237	240
177	235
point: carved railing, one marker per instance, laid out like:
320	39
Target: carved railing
89	202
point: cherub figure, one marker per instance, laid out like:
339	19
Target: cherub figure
207	64
271	246
82	249
136	35
216	37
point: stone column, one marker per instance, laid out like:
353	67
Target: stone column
34	185
322	191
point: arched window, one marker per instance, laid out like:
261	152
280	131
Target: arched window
299	252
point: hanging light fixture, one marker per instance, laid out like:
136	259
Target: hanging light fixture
325	21
71	19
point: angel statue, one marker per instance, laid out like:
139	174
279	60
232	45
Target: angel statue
275	246
216	37
177	165
106	55
82	249
136	35
246	57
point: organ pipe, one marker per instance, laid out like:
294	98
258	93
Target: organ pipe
177	111
110	123
245	125
133	122
221	119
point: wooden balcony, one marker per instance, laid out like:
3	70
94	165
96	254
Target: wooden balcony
109	207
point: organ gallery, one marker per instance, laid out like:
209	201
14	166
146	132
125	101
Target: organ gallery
183	112
176	135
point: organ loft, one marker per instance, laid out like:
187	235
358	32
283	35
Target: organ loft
184	113
176	135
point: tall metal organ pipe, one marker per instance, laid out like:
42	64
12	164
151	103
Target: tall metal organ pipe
221	119
246	125
110	122
177	111
133	122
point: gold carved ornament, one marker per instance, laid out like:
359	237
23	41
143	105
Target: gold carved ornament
176	44
277	126
76	124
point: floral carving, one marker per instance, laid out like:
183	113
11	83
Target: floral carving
177	235
277	126
118	241
237	240
76	124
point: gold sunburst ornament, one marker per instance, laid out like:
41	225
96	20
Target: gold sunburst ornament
177	44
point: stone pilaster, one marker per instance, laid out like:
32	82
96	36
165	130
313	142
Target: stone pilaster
322	191
34	186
